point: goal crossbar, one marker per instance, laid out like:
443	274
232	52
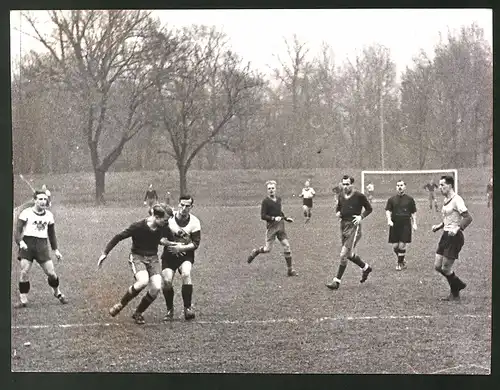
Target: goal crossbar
428	171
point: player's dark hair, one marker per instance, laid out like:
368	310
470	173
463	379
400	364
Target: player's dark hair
449	180
186	197
38	192
347	177
158	211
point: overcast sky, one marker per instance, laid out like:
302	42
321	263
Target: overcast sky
257	35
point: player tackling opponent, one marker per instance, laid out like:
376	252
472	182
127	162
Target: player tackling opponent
401	213
456	218
34	226
307	196
349	206
272	213
146	235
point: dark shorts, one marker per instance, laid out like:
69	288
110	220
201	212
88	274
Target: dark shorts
174	262
276	230
450	246
38	249
150	202
351	234
308	202
400	232
140	262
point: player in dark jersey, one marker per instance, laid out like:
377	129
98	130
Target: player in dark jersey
401	213
146	235
489	192
431	187
271	212
349	206
182	239
151	196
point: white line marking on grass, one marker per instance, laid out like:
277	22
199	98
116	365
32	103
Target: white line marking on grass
414	371
447	369
481	367
260	322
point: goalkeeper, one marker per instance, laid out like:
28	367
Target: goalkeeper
271	213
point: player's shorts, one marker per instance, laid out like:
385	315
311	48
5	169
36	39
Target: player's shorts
140	263
174	262
450	246
308	202
150	202
431	195
351	234
275	230
400	232
38	249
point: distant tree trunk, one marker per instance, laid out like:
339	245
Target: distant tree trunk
182	178
100	185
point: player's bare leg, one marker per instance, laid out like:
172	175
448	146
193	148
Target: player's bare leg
288	257
307	213
168	292
148	299
335	284
53	280
263	249
24	284
187	290
141	281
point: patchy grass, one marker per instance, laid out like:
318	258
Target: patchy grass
253	318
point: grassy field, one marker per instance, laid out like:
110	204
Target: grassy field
253	318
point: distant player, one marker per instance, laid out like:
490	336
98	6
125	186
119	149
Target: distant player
370	188
183	235
456	218
336	192
271	212
34	226
348	209
167	200
49	195
151	196
430	187
307	196
143	260
401	213
489	192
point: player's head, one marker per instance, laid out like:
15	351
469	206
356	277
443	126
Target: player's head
150	187
431	181
401	187
185	204
44	187
307	183
347	184
446	184
159	214
271	187
41	199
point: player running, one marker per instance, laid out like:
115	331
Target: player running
143	260
401	213
34	226
348	209
307	196
456	218
151	196
183	237
271	212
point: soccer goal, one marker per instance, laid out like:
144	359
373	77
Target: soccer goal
384	182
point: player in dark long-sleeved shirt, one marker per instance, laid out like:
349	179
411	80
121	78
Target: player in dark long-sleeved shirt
349	209
271	212
151	197
146	236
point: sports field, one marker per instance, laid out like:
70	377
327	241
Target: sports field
253	318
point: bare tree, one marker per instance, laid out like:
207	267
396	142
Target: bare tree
93	53
205	92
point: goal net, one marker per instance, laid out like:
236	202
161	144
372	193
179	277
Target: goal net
384	182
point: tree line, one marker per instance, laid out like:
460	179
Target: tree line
117	90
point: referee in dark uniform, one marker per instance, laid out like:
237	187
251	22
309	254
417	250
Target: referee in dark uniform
401	213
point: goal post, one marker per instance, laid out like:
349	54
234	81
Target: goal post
415	180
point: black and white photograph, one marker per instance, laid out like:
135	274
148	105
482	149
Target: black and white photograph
263	191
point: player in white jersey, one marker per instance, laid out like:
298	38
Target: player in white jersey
370	188
456	218
307	196
34	226
183	237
